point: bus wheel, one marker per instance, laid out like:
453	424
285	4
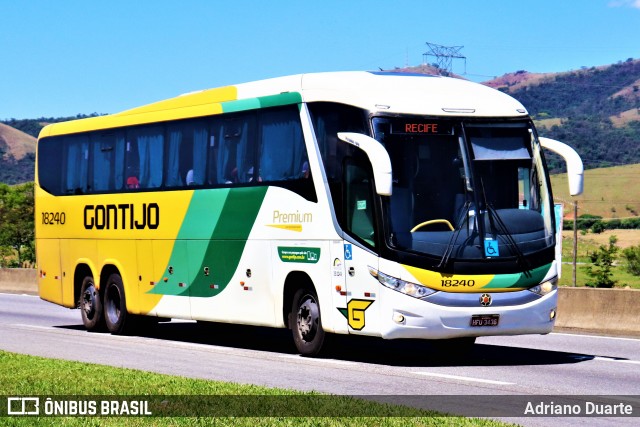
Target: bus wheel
91	306
305	323
115	305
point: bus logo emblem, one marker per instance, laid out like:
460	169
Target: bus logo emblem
485	300
355	313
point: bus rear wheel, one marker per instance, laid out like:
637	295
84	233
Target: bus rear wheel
91	306
115	305
305	323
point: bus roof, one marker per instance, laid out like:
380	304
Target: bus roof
373	91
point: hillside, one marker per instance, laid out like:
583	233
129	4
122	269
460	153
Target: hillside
608	192
17	155
595	110
18	144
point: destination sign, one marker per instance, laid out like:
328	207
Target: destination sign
421	127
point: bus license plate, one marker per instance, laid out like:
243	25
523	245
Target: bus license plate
485	319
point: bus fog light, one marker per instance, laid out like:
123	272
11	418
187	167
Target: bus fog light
552	314
398	318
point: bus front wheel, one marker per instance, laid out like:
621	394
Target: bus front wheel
115	305
91	306
305	323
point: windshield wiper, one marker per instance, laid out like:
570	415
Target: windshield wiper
444	261
522	260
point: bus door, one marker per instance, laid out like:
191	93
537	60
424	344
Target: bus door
359	249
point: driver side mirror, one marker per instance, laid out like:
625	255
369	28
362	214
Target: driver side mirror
378	157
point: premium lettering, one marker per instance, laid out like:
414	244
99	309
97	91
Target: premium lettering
122	216
292	217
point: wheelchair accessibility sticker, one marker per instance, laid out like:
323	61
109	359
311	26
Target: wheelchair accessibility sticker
491	248
348	254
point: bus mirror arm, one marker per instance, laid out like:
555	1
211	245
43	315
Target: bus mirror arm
378	157
575	169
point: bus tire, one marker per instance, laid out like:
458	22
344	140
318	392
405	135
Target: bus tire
115	305
91	306
305	323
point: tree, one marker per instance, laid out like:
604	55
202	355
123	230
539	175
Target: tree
632	255
601	271
16	225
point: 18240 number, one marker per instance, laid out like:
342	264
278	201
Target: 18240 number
53	218
447	283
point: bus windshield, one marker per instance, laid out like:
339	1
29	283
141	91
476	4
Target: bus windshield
465	190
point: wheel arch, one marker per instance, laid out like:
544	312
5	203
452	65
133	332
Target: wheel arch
294	281
112	267
82	270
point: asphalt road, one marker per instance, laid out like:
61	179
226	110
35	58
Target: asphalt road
551	365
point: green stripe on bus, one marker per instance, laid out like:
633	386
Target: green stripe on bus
286	98
219	247
519	280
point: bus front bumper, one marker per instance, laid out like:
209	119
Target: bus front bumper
407	317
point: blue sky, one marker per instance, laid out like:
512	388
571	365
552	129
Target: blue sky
66	57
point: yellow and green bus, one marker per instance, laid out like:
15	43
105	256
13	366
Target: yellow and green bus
373	203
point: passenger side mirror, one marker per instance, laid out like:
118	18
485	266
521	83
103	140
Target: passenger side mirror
575	169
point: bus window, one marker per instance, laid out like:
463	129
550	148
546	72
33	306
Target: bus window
50	165
144	157
77	164
359	210
107	164
328	119
282	150
186	155
236	154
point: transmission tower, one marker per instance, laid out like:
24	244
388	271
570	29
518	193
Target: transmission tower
444	56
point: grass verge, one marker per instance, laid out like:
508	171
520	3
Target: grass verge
36	376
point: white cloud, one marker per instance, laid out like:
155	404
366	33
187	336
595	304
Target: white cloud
625	3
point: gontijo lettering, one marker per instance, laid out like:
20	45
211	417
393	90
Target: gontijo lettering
122	216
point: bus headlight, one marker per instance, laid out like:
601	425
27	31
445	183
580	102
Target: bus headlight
407	288
545	287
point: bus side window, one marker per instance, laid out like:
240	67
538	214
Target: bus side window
51	175
108	158
359	202
282	149
186	155
132	165
77	164
144	158
236	154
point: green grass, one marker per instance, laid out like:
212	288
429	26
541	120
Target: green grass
589	243
35	376
609	192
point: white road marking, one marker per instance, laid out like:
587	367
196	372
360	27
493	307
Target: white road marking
329	361
613	359
460	378
596	336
